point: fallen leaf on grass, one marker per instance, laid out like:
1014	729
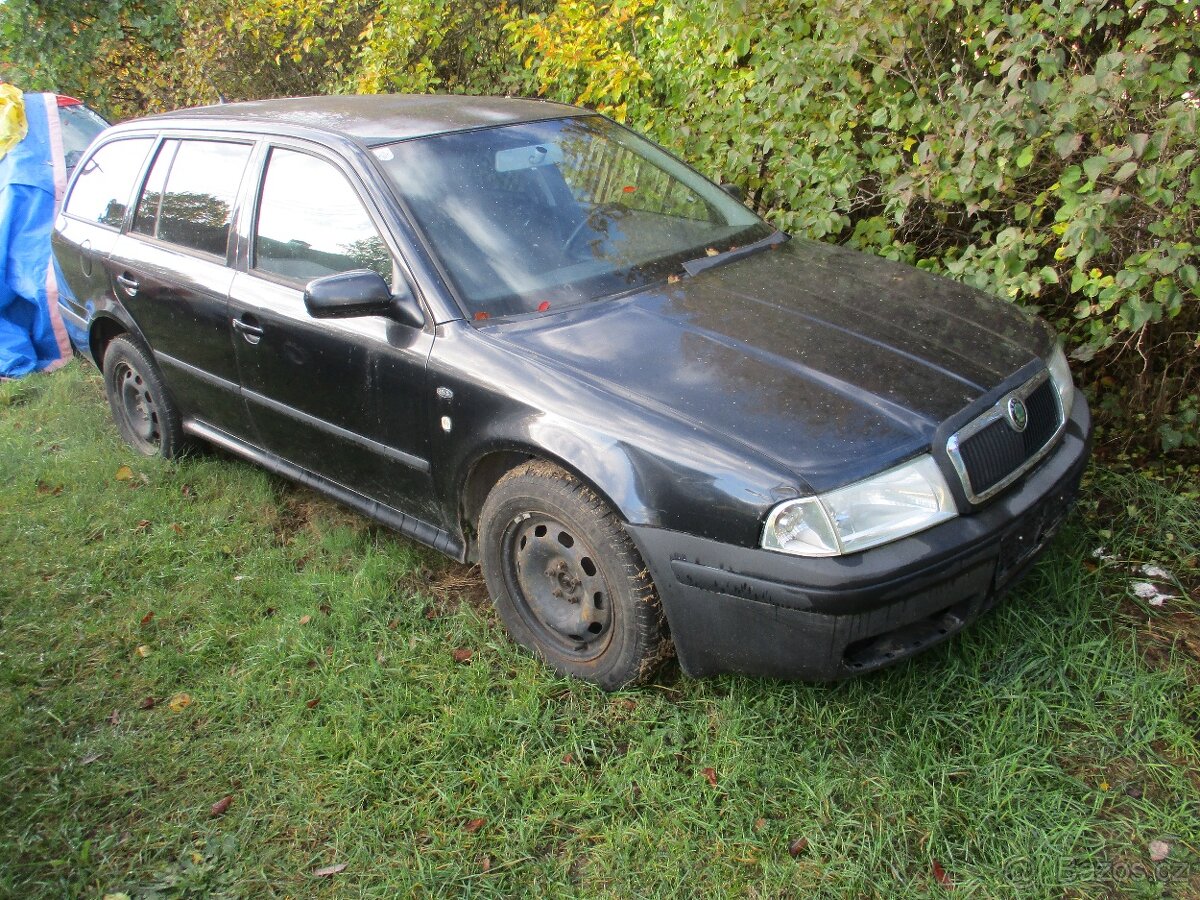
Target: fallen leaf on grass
1159	850
474	825
89	759
221	806
114	717
760	824
711	774
148	618
326	608
180	702
940	876
305	619
568	758
143	525
51	489
798	846
486	864
313	703
462	655
147	703
177	528
124	473
143	651
329	870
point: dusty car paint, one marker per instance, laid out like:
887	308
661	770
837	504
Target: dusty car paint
692	406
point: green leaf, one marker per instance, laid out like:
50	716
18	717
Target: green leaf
1094	166
1025	157
1066	144
1125	171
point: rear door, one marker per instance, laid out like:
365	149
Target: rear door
343	398
171	271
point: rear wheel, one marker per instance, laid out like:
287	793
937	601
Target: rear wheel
566	579
144	413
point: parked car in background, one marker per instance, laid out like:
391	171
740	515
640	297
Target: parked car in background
523	335
80	125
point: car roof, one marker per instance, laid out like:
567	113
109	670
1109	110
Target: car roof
372	119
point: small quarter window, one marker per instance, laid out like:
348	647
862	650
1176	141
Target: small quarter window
311	222
189	195
103	187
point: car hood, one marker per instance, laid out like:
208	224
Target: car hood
834	363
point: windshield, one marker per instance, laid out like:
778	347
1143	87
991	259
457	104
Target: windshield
541	215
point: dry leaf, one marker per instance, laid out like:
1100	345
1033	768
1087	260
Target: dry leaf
940	876
123	474
147	703
712	251
114	717
177	528
486	864
143	525
474	825
329	870
798	846
180	702
711	774
462	655
312	704
221	806
760	824
44	488
143	651
326	608
305	619
1159	850
89	759
568	758
148	618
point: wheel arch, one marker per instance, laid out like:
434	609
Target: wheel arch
490	465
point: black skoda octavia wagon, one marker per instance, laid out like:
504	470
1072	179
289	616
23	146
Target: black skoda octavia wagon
520	333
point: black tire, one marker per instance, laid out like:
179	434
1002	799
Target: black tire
143	410
567	581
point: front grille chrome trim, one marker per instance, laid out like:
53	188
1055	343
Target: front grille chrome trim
991	416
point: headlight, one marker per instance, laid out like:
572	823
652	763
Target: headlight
885	507
1060	375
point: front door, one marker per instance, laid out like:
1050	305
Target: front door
342	398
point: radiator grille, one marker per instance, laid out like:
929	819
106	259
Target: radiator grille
989	453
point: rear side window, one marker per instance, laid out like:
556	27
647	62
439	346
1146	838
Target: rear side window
189	195
105	183
312	223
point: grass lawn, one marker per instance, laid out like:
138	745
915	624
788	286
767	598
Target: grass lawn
172	634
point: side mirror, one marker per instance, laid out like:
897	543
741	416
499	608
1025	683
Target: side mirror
360	293
734	191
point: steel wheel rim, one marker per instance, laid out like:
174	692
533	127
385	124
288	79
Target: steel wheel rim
557	586
137	405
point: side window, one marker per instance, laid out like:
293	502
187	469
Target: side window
312	223
104	185
189	195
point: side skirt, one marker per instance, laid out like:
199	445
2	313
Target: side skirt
407	525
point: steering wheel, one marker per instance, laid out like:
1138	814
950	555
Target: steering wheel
598	209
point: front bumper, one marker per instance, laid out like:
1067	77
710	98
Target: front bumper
739	609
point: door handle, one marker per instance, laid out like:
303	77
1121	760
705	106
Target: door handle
128	282
249	328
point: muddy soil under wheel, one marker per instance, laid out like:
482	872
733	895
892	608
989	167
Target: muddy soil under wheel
566	579
141	407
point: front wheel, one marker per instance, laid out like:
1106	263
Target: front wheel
567	581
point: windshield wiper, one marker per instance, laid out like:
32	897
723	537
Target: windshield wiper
700	263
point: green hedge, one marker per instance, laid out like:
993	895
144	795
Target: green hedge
1045	153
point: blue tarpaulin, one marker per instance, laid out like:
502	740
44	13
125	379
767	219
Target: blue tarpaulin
32	336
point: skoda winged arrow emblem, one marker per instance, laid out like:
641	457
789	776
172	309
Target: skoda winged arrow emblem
1016	413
